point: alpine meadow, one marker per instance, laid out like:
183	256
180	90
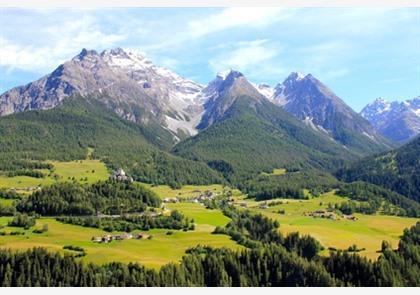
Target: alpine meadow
118	171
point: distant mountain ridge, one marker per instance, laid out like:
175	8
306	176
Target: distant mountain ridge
308	99
398	121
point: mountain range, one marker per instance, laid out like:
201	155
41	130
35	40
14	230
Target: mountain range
232	126
141	92
398	121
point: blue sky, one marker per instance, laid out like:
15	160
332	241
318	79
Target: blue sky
361	54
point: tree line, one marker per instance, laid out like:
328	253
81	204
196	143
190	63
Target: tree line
268	265
106	197
176	220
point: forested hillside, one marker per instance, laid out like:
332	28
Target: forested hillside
254	137
398	170
65	133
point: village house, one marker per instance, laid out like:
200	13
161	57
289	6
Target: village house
264	205
109	238
322	214
97	239
170	200
350	217
123	236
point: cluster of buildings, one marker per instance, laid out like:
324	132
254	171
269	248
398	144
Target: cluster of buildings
329	215
196	199
120	175
207	196
124	236
322	214
28	189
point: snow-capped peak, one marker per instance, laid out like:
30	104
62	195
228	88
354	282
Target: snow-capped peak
129	59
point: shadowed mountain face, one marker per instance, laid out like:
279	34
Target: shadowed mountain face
398	121
126	82
306	98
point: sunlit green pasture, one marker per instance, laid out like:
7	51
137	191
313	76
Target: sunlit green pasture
159	250
279	171
368	231
187	191
200	214
84	171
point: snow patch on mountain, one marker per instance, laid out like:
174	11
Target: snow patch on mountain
265	90
184	96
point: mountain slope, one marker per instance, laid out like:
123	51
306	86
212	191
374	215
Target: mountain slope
65	132
246	134
127	82
398	121
398	170
306	98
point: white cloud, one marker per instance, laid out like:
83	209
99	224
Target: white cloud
170	63
328	60
254	57
62	41
235	17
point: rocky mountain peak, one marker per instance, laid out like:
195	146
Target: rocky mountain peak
84	54
295	76
221	94
398	121
128	82
307	98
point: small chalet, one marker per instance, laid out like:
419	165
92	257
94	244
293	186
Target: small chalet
120	175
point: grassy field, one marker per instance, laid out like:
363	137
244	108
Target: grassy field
164	191
200	214
279	171
161	249
368	231
85	171
88	171
6	202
